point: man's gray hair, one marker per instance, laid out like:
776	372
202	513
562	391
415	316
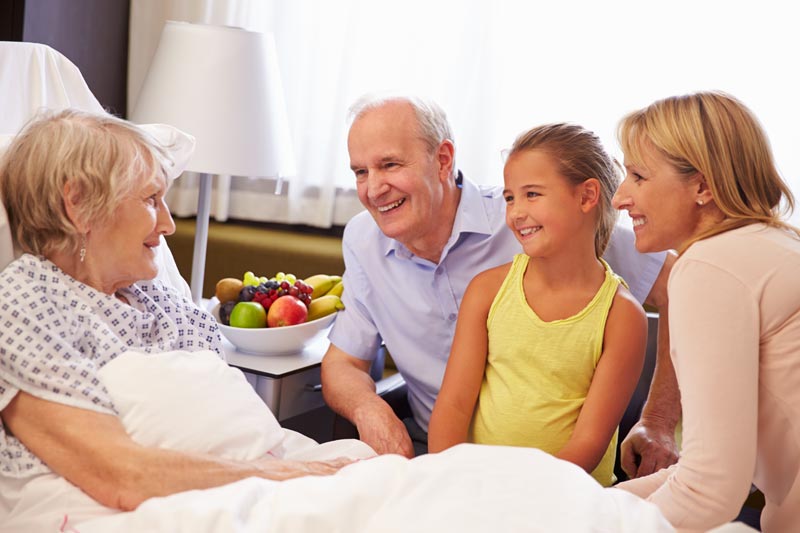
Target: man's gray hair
431	118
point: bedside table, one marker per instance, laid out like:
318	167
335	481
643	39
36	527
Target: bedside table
288	384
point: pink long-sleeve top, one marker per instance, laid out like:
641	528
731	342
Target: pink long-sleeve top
734	324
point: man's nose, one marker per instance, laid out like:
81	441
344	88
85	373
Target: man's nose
376	185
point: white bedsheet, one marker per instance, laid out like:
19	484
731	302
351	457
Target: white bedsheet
469	488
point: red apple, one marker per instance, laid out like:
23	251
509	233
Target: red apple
286	311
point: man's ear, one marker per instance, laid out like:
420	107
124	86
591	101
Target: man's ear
589	192
72	199
445	156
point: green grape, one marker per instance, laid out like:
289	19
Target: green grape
280	276
291	278
250	279
263	279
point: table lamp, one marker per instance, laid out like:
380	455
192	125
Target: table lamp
221	85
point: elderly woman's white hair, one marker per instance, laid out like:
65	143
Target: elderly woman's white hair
101	157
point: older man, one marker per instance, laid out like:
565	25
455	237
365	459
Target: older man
426	232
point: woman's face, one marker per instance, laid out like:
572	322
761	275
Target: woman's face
122	250
661	203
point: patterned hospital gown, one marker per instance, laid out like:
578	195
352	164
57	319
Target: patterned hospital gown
56	333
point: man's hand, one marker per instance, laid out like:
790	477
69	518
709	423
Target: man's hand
379	427
650	444
349	391
648	449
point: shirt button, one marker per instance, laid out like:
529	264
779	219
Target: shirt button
452	317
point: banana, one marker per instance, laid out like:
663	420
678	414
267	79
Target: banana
337	289
321	283
324	306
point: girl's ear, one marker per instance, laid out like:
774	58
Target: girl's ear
589	193
72	199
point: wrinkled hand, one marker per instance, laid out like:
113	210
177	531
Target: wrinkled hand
279	469
648	449
380	428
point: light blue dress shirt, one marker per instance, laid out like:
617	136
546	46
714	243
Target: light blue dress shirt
411	304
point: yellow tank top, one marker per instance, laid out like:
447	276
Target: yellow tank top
538	373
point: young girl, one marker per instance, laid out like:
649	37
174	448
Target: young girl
548	349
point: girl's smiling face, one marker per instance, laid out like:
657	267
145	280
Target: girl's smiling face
542	207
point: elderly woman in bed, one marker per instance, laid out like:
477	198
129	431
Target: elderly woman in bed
85	199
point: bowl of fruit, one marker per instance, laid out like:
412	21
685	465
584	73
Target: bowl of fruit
280	315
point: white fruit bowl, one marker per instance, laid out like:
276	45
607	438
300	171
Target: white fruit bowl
286	340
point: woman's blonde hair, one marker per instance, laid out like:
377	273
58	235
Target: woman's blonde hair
103	158
580	155
714	134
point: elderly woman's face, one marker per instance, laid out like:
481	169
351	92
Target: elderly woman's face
123	250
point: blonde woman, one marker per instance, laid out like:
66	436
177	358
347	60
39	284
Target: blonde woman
701	180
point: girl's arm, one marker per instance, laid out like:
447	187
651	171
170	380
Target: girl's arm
456	401
614	381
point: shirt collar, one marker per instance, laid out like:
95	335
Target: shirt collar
471	217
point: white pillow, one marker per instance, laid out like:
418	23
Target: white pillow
192	402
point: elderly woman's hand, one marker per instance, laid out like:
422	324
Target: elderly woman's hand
279	469
114	470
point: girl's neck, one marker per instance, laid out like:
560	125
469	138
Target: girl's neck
578	266
559	288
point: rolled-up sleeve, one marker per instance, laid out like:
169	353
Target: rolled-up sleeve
354	331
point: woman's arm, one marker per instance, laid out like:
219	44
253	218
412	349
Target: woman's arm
715	321
93	451
456	401
614	381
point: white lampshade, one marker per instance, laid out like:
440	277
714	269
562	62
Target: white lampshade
223	86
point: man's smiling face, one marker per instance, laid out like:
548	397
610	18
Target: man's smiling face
398	177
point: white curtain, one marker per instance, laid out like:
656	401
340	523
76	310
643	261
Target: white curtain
497	68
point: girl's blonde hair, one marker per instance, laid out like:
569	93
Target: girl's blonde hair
580	156
103	158
714	134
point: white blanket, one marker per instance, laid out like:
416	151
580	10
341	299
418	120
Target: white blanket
195	402
468	488
186	401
